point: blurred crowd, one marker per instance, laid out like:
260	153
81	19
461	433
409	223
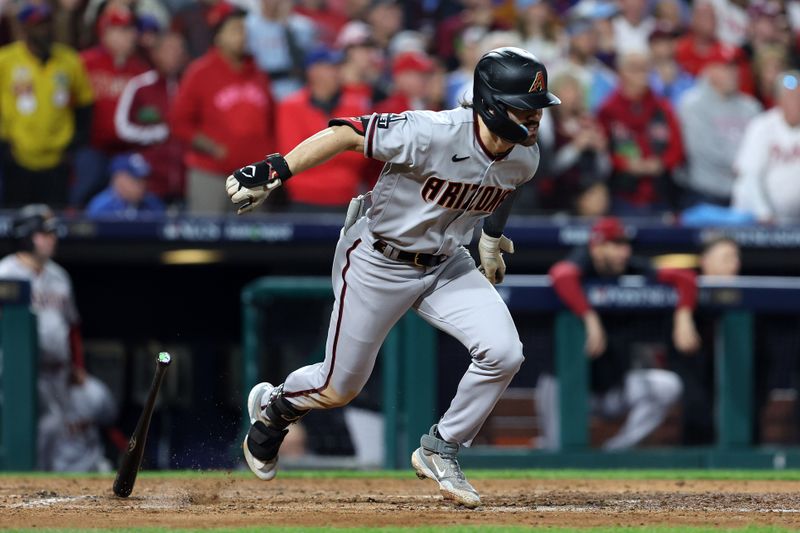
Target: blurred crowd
135	107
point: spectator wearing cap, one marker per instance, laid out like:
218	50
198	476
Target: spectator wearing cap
195	21
645	141
633	26
46	101
768	160
643	395
411	75
575	179
223	113
142	117
126	196
279	41
713	116
110	65
363	62
667	78
597	79
694	49
307	111
540	30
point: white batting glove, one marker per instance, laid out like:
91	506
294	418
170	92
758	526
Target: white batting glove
246	199
490	250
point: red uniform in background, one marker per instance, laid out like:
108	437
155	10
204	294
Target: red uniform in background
232	107
333	183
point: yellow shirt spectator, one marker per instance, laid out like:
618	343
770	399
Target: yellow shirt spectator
37	102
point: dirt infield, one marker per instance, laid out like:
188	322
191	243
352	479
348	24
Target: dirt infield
232	501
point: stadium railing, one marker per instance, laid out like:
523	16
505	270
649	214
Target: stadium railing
18	366
409	378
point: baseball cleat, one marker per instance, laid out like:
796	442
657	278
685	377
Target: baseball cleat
263	441
436	460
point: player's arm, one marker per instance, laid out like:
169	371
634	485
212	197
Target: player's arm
250	185
566	279
684	331
493	243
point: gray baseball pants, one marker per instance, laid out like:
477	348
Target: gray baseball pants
373	292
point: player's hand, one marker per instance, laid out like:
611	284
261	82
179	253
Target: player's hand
77	375
684	332
490	250
595	335
249	186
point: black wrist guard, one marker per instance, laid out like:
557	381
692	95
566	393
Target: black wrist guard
271	172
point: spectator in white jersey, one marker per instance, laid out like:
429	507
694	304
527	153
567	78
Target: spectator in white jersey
71	403
768	161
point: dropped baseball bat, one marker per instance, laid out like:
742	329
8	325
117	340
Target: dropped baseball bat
132	460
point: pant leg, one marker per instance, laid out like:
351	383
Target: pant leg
648	393
464	304
547	411
372	293
205	193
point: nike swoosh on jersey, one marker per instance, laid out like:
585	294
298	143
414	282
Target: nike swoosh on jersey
456	159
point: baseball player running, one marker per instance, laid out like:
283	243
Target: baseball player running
444	173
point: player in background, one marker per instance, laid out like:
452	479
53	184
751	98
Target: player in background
71	402
444	173
644	394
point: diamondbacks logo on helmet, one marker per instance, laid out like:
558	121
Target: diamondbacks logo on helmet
538	83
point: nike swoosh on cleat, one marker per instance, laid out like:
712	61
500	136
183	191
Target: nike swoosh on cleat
439	472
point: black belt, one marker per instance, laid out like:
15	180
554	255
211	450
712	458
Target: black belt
417	259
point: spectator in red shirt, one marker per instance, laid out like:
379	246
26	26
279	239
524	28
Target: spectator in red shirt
223	112
110	65
412	73
645	141
143	112
618	388
694	50
308	111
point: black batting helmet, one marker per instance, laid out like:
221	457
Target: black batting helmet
509	77
34	218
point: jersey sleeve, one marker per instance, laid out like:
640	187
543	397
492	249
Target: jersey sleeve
403	139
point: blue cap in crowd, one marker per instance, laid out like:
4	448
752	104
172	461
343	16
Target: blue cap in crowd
133	164
33	13
524	4
323	55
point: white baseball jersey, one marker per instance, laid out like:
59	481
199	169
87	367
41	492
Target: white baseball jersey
440	180
768	168
53	303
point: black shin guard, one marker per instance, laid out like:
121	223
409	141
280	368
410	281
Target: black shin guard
264	441
281	413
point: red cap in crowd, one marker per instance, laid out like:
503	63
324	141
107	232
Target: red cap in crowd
220	12
411	61
115	16
608	229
